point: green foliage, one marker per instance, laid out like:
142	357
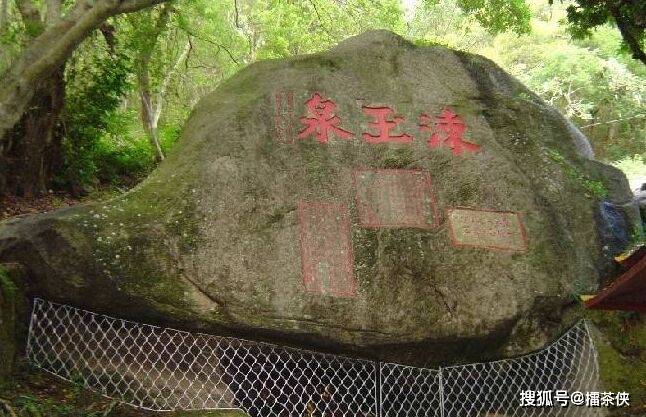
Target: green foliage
465	24
276	28
622	353
498	16
602	96
443	22
594	188
34	407
96	85
123	154
7	287
637	238
107	143
597	90
586	15
8	294
10	44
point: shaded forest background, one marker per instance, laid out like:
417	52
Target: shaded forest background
115	108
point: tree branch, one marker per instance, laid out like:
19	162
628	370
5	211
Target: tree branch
638	116
107	30
51	49
316	10
129	6
151	40
164	85
237	15
188	53
218	45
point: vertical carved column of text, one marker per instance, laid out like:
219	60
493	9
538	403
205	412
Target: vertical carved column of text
326	249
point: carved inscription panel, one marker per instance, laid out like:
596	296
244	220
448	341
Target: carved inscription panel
395	198
488	229
326	249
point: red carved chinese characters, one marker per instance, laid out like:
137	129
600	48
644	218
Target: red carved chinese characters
323	121
384	126
446	130
449	129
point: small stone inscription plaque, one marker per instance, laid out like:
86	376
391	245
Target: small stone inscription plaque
395	198
326	249
487	229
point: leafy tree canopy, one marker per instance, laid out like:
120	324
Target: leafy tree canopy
186	48
628	15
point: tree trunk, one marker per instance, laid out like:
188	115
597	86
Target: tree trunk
148	116
149	111
25	98
151	104
624	26
34	150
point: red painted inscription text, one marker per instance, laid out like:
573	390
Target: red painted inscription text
445	131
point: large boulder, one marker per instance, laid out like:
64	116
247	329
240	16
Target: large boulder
414	204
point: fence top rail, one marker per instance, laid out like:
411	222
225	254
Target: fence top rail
580	323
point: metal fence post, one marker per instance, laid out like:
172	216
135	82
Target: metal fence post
36	302
441	391
378	387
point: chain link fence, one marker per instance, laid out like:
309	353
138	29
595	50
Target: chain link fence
409	391
163	369
494	388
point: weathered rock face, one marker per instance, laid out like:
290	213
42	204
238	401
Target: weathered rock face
411	203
